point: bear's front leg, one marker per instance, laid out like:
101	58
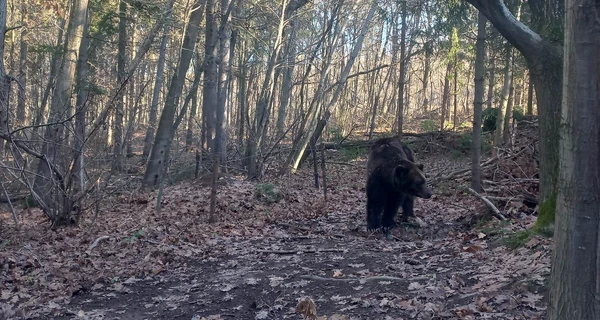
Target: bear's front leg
374	208
408	208
390	211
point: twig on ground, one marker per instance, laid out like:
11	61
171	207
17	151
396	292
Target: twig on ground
299	251
490	205
363	280
96	242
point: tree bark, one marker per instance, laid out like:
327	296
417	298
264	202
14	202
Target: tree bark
191	96
530	97
159	156
121	76
575	276
48	185
478	104
403	64
503	108
288	72
22	67
160	70
490	93
211	75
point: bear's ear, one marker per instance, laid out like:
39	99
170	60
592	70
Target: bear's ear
420	166
401	170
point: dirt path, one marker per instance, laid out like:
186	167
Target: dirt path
437	272
445	270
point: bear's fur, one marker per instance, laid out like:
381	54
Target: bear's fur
393	181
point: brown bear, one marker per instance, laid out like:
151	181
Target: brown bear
393	181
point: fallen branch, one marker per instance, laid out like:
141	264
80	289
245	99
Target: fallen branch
96	242
461	172
490	205
299	251
363	280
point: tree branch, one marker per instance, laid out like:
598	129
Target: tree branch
529	43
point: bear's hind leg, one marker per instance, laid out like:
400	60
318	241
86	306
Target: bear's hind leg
390	211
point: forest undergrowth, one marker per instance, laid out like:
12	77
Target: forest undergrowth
280	251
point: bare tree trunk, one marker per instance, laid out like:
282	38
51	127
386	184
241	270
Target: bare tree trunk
191	96
426	74
158	161
49	182
445	96
339	87
455	94
225	52
575	276
505	97
288	71
508	116
211	75
478	103
119	107
492	81
160	70
54	66
78	173
4	79
530	97
22	68
403	64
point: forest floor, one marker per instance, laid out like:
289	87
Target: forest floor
266	253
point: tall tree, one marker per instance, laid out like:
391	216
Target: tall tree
158	82
575	277
52	199
157	162
403	65
543	52
478	103
119	108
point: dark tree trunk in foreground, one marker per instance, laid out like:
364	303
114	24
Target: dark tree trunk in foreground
478	104
575	278
543	54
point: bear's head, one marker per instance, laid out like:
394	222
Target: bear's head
409	178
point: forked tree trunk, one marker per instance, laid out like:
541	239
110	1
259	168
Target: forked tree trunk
575	276
157	163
